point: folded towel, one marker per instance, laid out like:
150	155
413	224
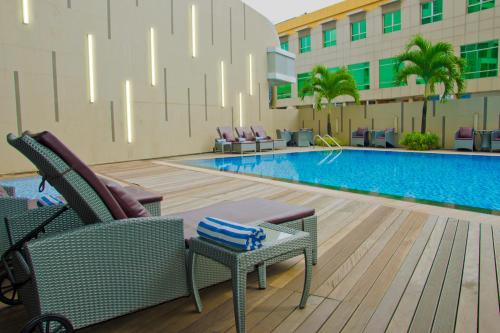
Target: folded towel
50	200
231	234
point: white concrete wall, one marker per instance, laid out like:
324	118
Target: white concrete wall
62	26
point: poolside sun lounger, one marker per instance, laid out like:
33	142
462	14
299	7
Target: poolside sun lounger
259	131
495	140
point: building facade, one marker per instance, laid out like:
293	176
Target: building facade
366	35
121	80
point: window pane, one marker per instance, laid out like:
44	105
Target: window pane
329	38
301	80
361	74
481	58
388	73
285	91
478	5
358	30
284	45
305	44
432	11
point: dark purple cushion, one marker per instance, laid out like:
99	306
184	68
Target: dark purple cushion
248	135
496	135
390	129
361	131
53	143
465	132
127	201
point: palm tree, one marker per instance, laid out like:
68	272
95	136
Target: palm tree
436	65
327	85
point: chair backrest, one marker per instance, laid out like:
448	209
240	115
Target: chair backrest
245	132
79	194
465	132
259	131
226	132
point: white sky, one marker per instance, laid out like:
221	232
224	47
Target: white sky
281	10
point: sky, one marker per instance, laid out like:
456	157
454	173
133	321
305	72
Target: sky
281	10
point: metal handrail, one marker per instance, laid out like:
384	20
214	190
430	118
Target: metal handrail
326	143
334	141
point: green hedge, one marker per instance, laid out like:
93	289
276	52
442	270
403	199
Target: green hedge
419	141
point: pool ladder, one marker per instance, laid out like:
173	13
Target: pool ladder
331	148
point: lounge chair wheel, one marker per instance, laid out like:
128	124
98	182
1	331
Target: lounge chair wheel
8	293
48	323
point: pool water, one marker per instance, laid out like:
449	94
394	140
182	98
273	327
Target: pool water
462	181
28	187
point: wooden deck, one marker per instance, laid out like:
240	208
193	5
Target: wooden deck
382	267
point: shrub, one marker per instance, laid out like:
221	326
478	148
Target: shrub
319	142
419	141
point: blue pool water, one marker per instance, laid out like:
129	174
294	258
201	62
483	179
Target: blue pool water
468	181
28	187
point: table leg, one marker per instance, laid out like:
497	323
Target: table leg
262	275
239	280
307	277
192	281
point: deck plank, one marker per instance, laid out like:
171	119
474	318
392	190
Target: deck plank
424	315
446	312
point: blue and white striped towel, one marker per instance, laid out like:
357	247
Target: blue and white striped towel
50	200
231	234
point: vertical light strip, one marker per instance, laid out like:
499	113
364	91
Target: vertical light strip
241	110
153	56
223	85
250	74
193	29
90	42
26	12
128	105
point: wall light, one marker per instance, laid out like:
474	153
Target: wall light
222	85
241	110
26	12
128	105
193	29
153	55
90	47
250	74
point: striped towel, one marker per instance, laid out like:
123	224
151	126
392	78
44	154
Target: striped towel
231	234
50	200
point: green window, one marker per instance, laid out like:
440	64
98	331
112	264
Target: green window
301	81
284	45
392	21
285	91
358	30
478	5
388	72
329	37
482	59
432	11
305	44
361	74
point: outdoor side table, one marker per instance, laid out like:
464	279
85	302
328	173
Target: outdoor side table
280	241
222	147
485	139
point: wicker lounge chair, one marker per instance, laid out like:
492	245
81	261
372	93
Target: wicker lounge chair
385	138
495	140
284	135
246	133
9	206
301	138
136	263
464	139
360	137
259	131
237	146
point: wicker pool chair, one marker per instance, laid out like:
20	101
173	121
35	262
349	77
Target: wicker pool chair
495	140
360	137
92	269
385	138
9	206
464	139
260	131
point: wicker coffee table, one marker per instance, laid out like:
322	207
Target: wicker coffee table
280	241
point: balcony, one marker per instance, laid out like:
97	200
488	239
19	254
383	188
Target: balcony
280	67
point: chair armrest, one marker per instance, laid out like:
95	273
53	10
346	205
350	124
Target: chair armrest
389	136
104	270
21	224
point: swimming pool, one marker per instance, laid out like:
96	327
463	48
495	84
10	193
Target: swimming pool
28	187
462	181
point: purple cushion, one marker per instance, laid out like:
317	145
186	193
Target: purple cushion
465	132
390	129
127	201
53	143
249	136
227	133
496	135
361	131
